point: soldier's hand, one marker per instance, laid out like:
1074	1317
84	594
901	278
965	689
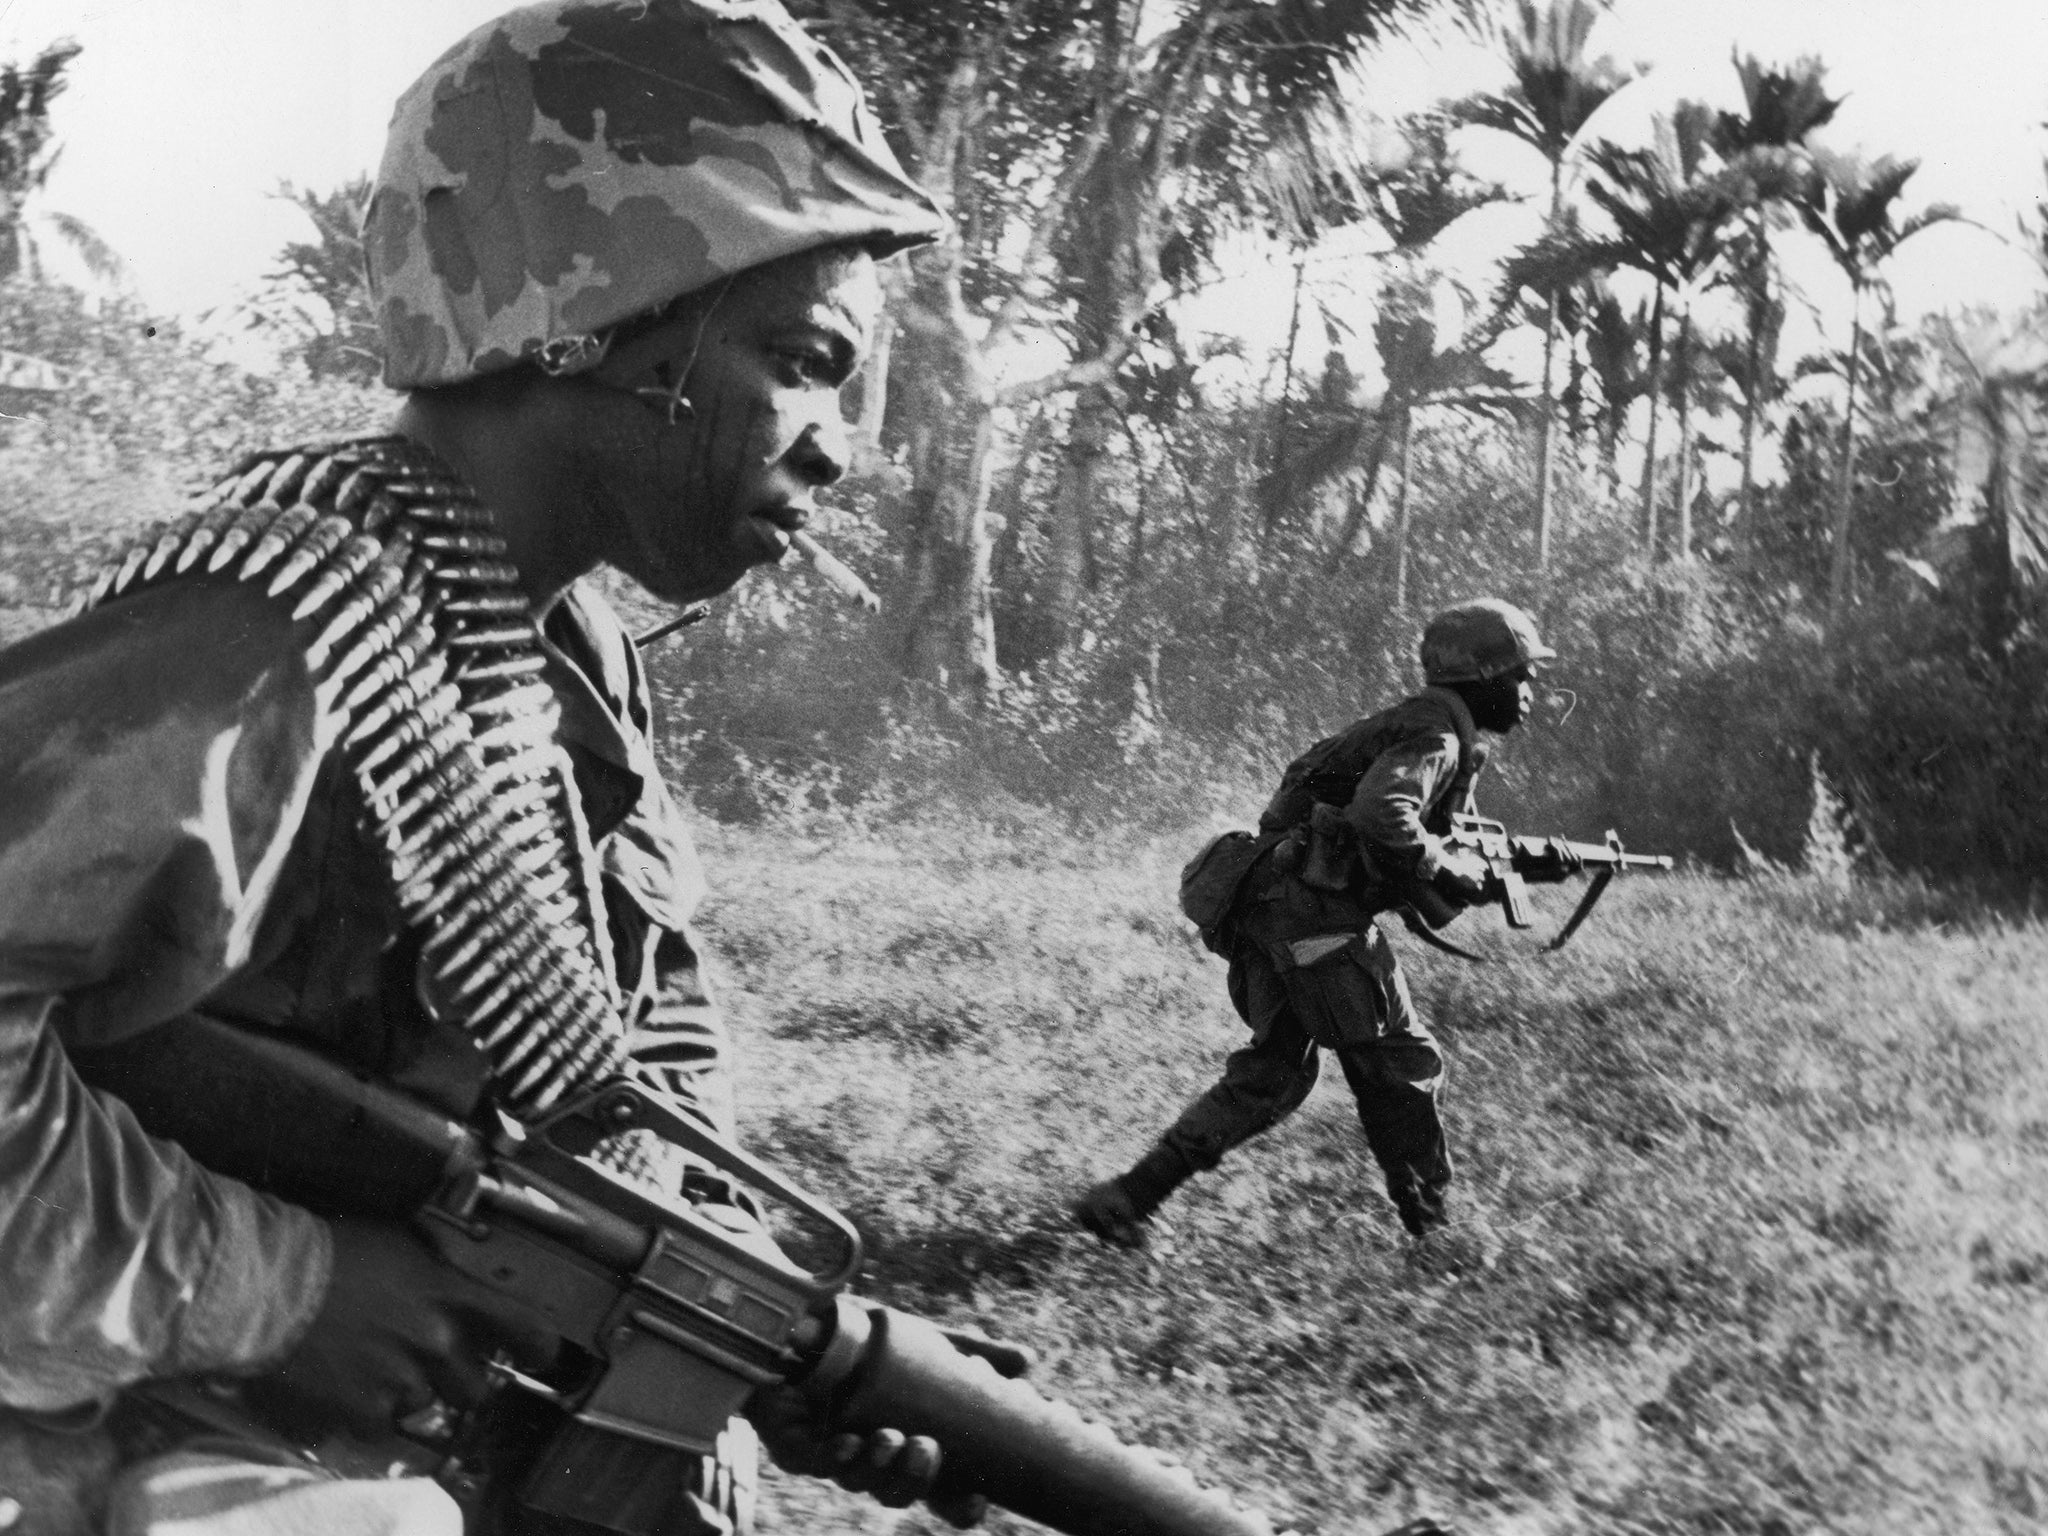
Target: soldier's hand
894	1468
398	1332
1462	875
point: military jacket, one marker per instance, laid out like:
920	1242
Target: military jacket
1394	778
177	834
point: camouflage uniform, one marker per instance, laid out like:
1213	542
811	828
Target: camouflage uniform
177	834
143	889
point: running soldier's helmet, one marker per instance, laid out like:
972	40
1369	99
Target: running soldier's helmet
1477	641
579	162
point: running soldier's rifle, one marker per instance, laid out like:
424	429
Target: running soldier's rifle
1512	864
670	1322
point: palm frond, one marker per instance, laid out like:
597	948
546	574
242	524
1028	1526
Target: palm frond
100	258
1783	105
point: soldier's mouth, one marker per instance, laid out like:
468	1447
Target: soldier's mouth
772	529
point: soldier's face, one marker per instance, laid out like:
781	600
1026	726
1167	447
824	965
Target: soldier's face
722	423
1504	702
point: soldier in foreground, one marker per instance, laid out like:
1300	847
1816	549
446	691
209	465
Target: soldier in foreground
350	755
1359	822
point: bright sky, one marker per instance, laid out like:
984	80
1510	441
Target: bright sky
183	115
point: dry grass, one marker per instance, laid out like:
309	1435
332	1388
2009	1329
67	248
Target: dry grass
1759	1166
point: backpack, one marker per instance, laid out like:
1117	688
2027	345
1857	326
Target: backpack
1209	881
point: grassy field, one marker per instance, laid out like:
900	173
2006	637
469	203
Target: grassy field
1758	1168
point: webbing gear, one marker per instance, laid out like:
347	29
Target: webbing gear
416	633
1435	940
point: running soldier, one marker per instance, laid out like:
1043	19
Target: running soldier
1358	819
353	754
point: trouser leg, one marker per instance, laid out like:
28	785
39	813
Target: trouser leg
1262	1084
1395	1078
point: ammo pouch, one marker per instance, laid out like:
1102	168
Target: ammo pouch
1210	880
1331	861
1340	984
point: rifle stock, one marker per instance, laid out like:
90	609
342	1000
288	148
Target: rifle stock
672	1320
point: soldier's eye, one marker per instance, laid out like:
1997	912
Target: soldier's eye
810	360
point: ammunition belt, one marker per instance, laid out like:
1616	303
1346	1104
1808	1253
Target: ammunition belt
416	633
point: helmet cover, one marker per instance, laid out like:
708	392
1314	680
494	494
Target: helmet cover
1478	641
576	163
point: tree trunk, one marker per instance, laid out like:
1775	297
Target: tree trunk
951	638
1753	390
1650	438
1134	568
1744	534
1753	384
1546	425
1546	429
1008	515
1996	622
1682	365
1361	505
1401	513
1073	509
1845	488
1281	434
874	391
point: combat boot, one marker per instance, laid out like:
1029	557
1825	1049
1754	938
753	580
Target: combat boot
1108	1210
1117	1210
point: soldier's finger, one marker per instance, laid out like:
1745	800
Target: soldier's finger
868	1468
909	1475
960	1510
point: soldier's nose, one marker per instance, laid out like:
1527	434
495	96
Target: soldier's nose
823	453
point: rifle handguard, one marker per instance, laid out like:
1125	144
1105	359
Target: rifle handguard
884	1369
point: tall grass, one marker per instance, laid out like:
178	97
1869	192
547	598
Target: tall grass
1754	1168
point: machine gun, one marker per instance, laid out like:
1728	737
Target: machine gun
1512	863
670	1321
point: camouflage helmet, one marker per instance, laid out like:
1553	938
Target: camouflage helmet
1477	641
579	162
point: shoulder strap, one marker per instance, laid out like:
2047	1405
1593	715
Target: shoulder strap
1471	755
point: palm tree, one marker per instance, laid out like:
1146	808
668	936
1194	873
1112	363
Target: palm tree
1423	368
1554	95
1671	206
317	298
1766	141
1850	205
1082	156
28	153
1412	205
1614	351
1993	402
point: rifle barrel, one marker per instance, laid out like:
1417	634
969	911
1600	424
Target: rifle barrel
1027	1454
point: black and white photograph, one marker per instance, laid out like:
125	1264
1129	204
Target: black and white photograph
1111	767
